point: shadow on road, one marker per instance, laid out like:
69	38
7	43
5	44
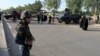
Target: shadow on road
94	29
32	55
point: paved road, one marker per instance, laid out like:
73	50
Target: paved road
64	40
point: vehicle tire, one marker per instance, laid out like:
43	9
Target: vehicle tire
67	22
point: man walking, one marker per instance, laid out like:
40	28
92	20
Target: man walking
24	36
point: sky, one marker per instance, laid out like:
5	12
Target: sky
5	4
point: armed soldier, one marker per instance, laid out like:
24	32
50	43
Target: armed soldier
24	36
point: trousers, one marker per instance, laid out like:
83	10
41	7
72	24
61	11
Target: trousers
25	50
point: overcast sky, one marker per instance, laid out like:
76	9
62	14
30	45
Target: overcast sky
4	4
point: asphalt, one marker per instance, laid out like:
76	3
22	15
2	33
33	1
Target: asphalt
64	40
59	40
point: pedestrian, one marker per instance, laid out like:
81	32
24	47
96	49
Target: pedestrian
14	15
49	19
38	17
24	36
84	23
52	20
0	15
19	14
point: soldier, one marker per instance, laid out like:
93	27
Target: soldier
84	23
0	15
14	15
38	17
19	14
49	22
45	17
24	36
67	12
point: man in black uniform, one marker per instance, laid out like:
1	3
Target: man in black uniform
84	23
0	15
67	12
24	36
40	17
14	15
49	22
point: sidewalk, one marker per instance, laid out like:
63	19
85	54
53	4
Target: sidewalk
3	45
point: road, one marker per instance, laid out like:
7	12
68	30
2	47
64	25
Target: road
63	40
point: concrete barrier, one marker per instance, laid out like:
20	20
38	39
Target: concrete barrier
3	44
13	48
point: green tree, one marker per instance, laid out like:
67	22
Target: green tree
94	6
20	8
53	5
35	7
9	10
74	5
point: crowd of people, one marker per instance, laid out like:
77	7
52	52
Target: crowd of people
41	16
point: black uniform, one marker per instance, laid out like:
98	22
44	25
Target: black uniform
49	20
84	23
23	34
14	14
40	17
0	16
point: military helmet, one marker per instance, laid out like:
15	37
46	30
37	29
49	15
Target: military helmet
26	14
